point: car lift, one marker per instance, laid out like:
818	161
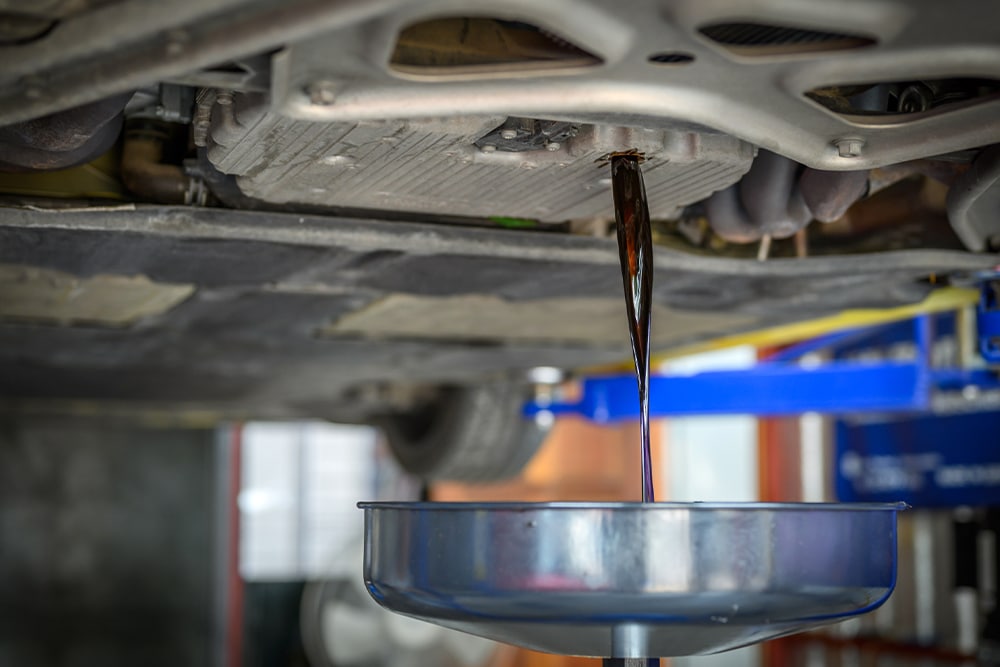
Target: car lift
782	385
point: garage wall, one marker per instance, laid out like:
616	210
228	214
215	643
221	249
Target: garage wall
106	545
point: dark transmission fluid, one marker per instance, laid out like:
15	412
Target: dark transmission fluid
635	252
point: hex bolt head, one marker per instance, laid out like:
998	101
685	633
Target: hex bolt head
489	148
508	134
553	146
322	93
850	147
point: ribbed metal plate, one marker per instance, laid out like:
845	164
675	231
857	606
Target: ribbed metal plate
432	167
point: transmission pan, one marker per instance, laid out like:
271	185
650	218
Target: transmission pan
435	166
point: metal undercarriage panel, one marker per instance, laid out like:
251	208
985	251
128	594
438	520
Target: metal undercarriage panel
297	314
290	314
652	62
434	167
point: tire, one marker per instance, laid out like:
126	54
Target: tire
472	434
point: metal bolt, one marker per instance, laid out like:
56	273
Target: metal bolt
849	147
489	148
553	146
508	134
322	93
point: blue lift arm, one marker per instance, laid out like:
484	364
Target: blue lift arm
783	387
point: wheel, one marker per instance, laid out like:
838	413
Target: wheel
469	434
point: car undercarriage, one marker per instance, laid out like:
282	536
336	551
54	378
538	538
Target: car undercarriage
353	210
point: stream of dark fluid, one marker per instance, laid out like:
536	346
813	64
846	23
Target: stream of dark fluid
635	252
